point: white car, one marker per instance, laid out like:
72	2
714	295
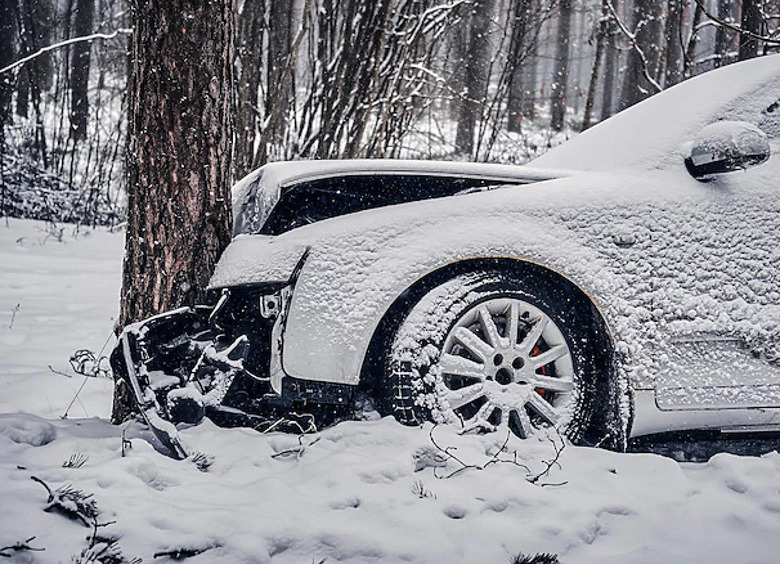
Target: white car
625	283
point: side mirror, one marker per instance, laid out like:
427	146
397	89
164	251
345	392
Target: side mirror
726	146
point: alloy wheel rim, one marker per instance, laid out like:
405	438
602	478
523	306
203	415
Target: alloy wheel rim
506	364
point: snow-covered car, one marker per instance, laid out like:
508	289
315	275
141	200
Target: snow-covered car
625	283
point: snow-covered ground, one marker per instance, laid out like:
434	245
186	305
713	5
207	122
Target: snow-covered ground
362	491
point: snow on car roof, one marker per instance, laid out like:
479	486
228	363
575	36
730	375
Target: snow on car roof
654	133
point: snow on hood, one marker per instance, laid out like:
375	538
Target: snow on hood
655	132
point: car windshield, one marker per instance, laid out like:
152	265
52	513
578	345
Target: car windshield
323	198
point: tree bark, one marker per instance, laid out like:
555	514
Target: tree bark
561	69
517	58
180	132
475	76
752	22
79	70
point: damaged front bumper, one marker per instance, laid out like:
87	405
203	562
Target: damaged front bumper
222	362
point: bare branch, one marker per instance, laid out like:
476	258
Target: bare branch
632	40
732	27
71	41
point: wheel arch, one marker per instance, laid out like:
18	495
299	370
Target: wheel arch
373	364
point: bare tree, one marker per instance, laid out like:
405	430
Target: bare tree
79	70
752	23
672	56
474	72
643	56
724	37
250	55
561	69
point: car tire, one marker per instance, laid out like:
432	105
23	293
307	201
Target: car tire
492	350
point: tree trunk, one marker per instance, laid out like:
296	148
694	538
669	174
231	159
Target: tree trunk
249	41
751	22
561	69
610	64
724	37
690	49
179	155
517	57
594	75
644	55
6	58
673	35
475	76
79	70
279	86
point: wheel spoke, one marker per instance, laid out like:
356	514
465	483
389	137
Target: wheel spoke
473	343
523	422
512	322
488	325
463	396
460	366
549	356
552	384
480	419
534	334
544	409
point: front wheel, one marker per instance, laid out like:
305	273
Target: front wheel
488	351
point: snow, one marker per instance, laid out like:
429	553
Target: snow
361	491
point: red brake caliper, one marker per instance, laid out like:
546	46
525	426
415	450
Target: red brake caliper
535	352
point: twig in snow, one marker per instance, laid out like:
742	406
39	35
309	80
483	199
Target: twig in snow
7	551
201	460
297	451
549	464
13	315
418	489
541	558
71	503
182	553
500	456
76	460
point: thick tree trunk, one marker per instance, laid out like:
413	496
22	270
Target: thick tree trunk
561	69
179	154
79	70
644	55
475	64
751	22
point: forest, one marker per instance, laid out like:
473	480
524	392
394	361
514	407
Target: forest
478	80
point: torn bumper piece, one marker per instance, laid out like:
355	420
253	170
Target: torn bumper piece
177	366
